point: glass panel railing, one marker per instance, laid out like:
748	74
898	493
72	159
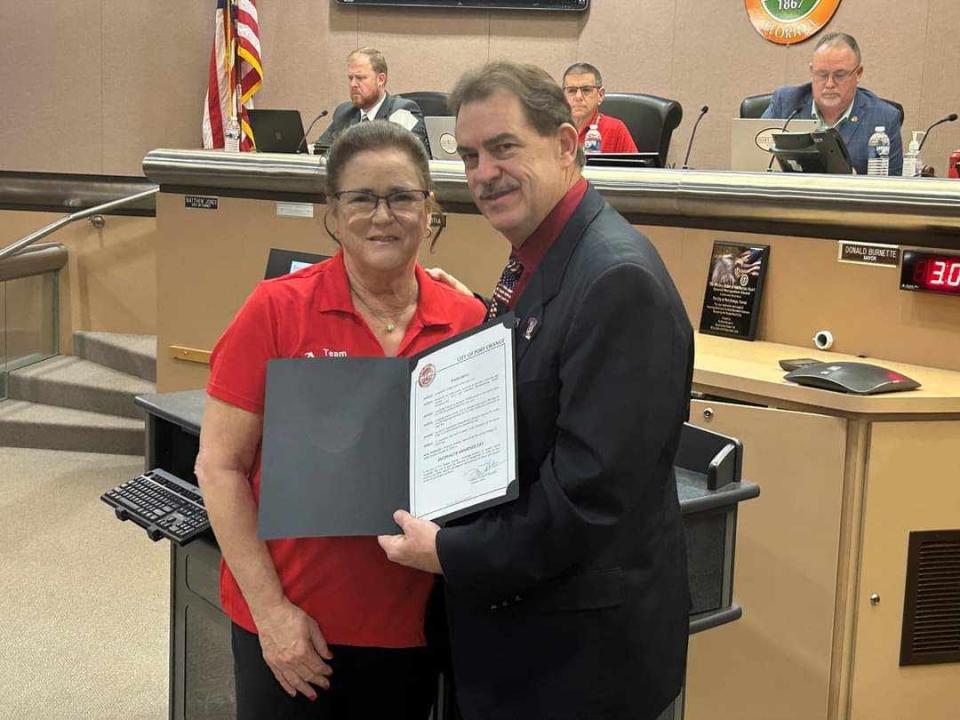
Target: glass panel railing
29	323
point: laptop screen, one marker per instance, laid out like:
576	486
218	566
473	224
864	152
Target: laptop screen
279	131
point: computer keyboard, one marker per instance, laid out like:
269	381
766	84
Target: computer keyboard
162	504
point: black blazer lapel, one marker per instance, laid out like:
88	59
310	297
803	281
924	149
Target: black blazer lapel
386	109
545	282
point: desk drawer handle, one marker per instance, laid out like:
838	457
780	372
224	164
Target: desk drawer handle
708	414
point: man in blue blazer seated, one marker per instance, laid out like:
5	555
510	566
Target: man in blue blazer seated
836	100
369	100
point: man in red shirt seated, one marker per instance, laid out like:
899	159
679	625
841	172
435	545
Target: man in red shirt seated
583	88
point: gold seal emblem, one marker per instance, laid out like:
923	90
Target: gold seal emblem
786	22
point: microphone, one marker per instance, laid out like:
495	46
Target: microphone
303	140
703	111
949	118
790	117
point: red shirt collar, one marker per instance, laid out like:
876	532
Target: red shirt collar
536	246
333	295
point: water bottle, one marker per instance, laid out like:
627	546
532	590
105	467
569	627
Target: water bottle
231	135
592	140
912	163
878	153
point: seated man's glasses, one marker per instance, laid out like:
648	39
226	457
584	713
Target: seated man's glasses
839	76
399	202
585	90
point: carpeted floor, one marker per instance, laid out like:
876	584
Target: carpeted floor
84	598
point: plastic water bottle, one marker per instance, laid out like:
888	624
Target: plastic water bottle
912	163
231	135
878	154
592	140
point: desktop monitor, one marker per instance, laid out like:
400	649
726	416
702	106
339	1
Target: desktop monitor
821	151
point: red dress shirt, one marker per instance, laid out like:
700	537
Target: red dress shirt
536	246
614	136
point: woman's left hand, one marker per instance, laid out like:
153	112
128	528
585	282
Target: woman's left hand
416	547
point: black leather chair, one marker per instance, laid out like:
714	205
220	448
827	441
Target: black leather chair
754	105
430	102
650	119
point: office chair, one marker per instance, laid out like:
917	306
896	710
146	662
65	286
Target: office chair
430	102
754	105
650	119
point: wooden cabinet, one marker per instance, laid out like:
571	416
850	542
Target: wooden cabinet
774	663
844	479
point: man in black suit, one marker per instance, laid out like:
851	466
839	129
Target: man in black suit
369	100
571	602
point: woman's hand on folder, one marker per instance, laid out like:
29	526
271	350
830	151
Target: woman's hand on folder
416	547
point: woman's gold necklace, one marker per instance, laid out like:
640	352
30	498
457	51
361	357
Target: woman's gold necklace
388	325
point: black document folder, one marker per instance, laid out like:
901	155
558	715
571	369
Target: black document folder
338	435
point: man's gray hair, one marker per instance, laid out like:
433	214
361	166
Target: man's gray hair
839	39
582	68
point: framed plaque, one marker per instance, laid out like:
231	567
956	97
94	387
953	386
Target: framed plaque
731	303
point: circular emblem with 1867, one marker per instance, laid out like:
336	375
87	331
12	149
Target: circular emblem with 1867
786	22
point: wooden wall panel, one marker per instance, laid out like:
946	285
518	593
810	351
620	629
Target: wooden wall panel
51	86
154	77
425	50
808	290
91	84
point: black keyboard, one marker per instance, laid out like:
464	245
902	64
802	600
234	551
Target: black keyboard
162	504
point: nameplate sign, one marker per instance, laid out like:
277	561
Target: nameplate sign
731	303
869	254
201	202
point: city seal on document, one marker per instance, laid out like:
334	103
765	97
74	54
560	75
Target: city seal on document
427	374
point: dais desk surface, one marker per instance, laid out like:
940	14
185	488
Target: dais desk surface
742	369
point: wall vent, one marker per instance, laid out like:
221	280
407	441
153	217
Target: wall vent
931	607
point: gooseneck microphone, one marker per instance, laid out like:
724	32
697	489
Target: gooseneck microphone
949	118
790	117
693	133
303	140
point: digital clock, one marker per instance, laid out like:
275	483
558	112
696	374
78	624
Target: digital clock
930	272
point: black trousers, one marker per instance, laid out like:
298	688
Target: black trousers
366	683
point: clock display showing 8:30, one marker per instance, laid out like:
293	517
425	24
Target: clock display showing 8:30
930	272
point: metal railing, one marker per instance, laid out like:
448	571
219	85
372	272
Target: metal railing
29	279
20	245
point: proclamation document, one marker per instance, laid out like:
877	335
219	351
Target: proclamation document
462	421
347	441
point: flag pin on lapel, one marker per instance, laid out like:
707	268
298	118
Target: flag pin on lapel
532	325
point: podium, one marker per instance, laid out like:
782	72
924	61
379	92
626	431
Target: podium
201	662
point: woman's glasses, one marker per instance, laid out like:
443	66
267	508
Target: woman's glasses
363	203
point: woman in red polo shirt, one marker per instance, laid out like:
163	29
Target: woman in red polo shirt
328	627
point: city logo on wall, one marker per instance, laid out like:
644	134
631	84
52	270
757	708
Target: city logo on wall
786	22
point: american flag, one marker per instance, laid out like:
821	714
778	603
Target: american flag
236	47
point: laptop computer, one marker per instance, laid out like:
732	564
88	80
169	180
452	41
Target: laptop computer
751	139
278	131
441	134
